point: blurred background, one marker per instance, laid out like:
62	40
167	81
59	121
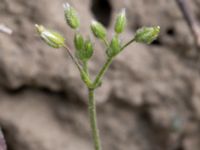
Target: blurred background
150	97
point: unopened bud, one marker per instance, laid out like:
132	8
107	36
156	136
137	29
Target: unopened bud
78	41
98	30
120	22
85	53
52	38
147	34
114	48
71	16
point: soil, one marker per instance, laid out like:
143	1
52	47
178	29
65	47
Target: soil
150	97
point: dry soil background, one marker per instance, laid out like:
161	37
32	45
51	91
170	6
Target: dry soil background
150	98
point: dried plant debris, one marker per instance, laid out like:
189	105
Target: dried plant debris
2	141
5	29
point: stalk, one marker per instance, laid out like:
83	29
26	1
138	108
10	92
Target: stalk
93	119
102	72
85	49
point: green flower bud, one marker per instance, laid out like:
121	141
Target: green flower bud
52	38
78	41
114	48
71	16
147	34
120	22
98	30
85	53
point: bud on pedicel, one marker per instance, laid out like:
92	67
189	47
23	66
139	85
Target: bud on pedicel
71	16
52	38
114	48
147	34
78	41
88	47
120	22
87	52
98	30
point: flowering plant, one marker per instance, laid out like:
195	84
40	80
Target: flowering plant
84	51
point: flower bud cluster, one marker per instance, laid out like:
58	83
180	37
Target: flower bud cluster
84	47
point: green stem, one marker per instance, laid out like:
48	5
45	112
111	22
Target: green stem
128	43
102	72
84	75
105	42
92	105
93	120
85	67
73	58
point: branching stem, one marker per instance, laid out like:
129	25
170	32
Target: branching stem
102	72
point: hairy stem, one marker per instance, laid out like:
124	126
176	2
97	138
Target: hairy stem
93	120
102	72
85	67
128	43
73	58
105	41
84	75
